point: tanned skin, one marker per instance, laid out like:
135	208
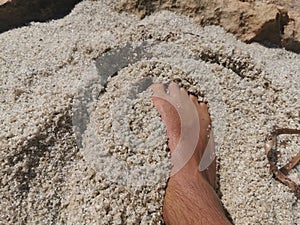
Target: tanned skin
190	196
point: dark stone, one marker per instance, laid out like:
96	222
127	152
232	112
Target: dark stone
18	13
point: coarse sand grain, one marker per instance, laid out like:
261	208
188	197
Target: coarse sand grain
116	172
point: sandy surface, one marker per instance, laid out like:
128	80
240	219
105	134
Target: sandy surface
119	173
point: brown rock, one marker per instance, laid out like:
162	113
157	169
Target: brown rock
15	13
2	2
291	36
273	25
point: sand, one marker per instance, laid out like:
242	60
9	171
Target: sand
109	164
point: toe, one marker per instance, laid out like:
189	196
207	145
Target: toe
174	90
184	93
158	89
203	114
195	100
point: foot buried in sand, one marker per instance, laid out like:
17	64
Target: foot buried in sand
190	195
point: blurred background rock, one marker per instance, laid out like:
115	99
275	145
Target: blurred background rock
16	13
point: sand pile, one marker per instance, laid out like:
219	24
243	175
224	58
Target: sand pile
118	173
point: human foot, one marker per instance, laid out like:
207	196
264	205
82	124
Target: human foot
190	195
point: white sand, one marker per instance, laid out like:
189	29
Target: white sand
46	180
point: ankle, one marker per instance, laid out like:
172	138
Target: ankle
187	179
199	197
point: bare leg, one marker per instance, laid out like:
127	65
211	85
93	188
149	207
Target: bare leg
190	195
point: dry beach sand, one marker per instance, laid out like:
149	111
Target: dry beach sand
113	169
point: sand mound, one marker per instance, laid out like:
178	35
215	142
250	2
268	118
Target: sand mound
46	178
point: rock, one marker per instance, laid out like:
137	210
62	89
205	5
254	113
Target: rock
271	24
291	36
15	13
2	2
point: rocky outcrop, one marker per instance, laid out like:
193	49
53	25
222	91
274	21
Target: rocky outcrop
15	13
291	37
2	2
273	24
